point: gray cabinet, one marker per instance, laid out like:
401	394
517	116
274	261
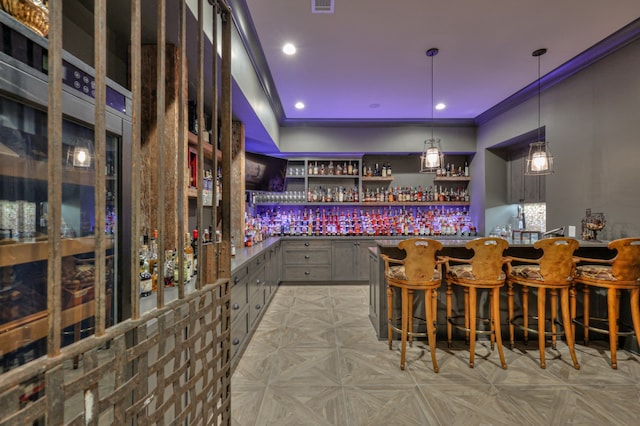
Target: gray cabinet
350	259
251	291
306	260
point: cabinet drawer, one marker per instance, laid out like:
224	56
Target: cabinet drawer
307	245
239	331
239	275
307	257
256	306
256	282
239	298
307	273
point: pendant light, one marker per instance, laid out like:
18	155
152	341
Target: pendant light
432	157
539	160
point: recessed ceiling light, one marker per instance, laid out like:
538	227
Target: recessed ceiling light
440	106
289	49
299	105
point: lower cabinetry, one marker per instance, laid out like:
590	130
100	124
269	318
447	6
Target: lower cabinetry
306	260
252	286
350	259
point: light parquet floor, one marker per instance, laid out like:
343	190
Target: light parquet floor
315	360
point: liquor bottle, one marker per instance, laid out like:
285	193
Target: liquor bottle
466	169
388	169
188	257
350	169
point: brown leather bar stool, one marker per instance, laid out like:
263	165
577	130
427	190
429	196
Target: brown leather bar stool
620	273
483	271
418	271
554	272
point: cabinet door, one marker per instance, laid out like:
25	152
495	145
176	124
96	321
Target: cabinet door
522	188
363	259
344	260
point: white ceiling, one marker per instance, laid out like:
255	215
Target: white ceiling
367	61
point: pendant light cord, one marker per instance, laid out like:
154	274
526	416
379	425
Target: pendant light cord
539	53
538	98
432	97
431	53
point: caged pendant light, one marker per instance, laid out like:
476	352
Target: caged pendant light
432	156
539	160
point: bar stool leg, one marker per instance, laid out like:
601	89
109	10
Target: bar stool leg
449	309
586	313
466	315
492	335
472	324
510	313
431	328
564	304
390	315
525	314
495	308
572	308
541	325
612	301
410	318
554	310
405	325
635	310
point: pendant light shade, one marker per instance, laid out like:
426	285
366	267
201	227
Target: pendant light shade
432	157
539	160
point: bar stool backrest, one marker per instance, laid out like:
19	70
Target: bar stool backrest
556	263
487	260
420	261
626	264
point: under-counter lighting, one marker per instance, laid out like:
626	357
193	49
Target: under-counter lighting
299	105
289	49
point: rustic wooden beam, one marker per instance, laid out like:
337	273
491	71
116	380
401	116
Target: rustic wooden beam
54	187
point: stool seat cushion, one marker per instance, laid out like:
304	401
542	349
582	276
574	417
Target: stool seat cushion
397	272
465	272
595	272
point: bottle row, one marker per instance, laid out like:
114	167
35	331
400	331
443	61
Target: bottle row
450	170
338	221
415	194
328	168
172	267
341	194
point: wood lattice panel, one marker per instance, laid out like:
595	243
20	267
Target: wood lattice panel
170	367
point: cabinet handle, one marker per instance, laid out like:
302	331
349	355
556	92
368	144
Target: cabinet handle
235	280
236	341
258	306
235	306
258	282
307	273
306	244
306	256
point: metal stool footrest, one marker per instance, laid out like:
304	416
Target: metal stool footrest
453	321
623	329
535	330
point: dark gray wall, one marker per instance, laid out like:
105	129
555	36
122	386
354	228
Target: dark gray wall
591	122
374	139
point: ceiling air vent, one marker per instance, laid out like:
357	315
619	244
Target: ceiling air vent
322	6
